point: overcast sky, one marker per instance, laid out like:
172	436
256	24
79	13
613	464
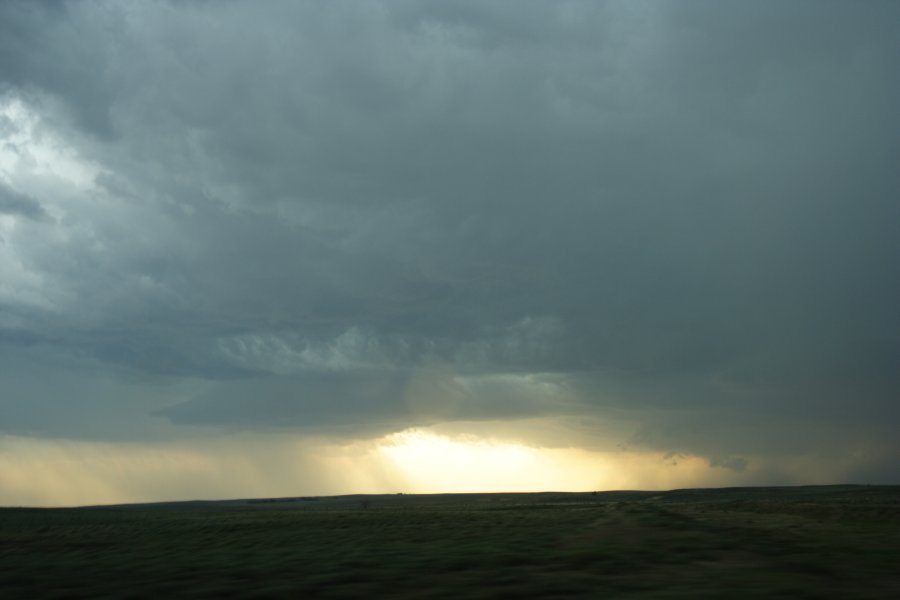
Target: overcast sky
635	229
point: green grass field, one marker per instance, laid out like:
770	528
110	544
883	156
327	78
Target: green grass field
802	542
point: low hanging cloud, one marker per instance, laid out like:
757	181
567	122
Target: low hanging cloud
675	224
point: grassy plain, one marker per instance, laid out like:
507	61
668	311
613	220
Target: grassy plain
797	542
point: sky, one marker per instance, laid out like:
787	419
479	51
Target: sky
286	248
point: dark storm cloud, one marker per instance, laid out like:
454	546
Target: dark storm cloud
15	203
685	210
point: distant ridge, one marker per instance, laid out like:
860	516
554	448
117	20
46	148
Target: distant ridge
673	495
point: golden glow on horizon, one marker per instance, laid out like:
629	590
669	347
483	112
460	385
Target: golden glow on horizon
47	472
435	463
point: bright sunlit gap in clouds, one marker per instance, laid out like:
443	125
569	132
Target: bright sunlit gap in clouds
434	463
428	462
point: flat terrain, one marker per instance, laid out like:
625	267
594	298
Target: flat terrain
797	542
